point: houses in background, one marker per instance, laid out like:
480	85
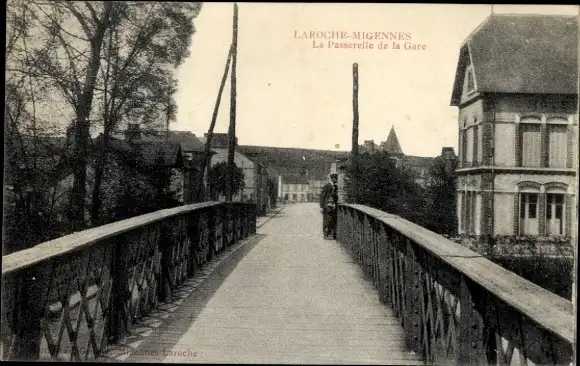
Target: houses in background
193	153
299	173
256	179
516	92
295	188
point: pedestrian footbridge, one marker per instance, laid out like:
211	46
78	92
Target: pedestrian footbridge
211	283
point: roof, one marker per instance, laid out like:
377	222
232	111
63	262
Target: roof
294	161
392	145
294	179
535	54
409	161
160	152
418	161
48	154
165	152
189	142
219	139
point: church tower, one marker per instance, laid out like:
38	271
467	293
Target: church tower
392	147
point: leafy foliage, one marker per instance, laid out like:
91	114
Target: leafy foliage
442	196
381	184
218	176
273	190
79	67
144	188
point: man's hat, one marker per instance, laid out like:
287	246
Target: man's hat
333	175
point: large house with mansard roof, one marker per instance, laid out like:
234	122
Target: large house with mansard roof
516	89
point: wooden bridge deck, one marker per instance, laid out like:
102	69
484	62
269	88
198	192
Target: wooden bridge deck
284	296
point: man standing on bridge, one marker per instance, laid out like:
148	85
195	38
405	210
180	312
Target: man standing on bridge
328	204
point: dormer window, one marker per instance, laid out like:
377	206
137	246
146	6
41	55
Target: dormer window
470	80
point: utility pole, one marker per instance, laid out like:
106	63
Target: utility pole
232	129
354	153
204	169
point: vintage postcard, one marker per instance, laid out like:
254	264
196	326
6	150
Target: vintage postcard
290	183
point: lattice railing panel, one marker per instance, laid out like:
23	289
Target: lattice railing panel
441	313
69	298
202	250
455	307
72	326
143	271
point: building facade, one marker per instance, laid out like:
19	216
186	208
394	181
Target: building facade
256	187
518	127
295	189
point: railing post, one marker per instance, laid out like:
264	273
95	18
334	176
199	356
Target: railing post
472	346
242	220
413	291
221	221
230	224
212	223
193	234
254	219
375	253
353	232
238	223
366	246
358	240
119	316
398	282
385	266
32	297
166	244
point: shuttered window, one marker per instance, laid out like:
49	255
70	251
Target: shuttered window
557	146
469	143
531	145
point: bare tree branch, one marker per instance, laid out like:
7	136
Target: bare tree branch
81	19
55	23
93	12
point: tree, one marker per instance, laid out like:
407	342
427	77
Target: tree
441	196
122	55
273	190
379	183
145	186
218	178
144	45
35	158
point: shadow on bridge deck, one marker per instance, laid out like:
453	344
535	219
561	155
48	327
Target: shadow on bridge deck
285	295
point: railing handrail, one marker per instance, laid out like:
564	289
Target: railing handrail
547	309
82	239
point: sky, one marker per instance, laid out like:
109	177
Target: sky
290	94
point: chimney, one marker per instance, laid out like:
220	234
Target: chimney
369	145
133	132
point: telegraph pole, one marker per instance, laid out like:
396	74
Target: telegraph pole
232	129
207	148
354	152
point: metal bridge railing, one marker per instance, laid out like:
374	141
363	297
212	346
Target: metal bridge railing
68	298
456	307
